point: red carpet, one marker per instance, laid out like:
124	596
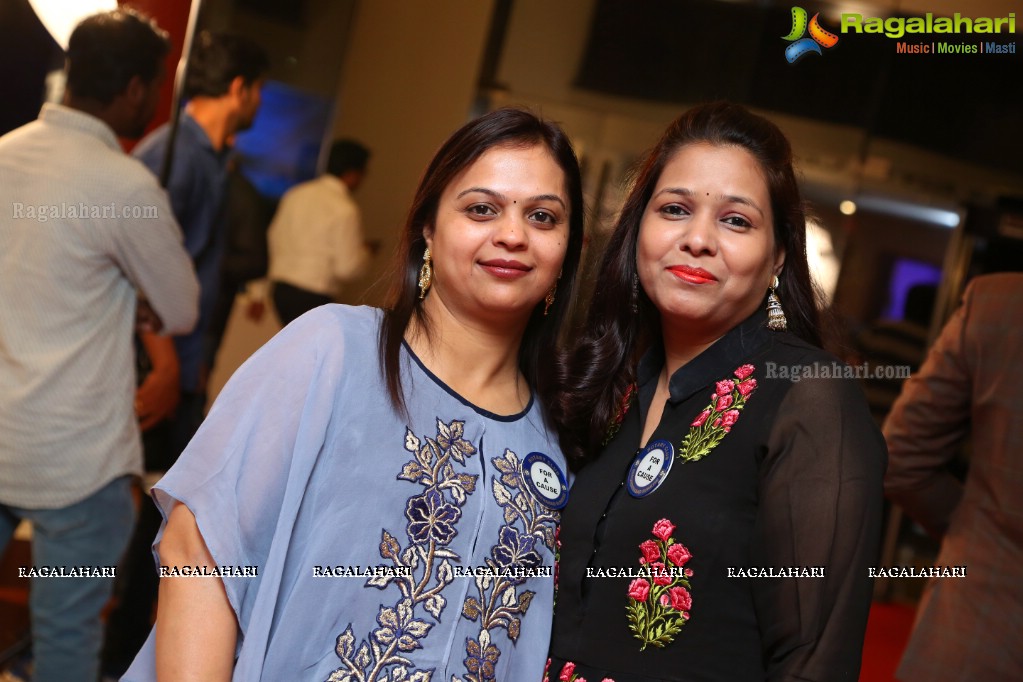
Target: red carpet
887	633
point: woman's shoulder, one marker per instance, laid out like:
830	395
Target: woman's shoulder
335	326
788	344
811	374
820	418
344	317
790	355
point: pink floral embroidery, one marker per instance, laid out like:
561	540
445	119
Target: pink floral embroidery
639	589
726	403
557	563
623	409
650	550
681	600
744	371
679	555
663	529
568	674
701	418
661	575
656	612
725	387
747	387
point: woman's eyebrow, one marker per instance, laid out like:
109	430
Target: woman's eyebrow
730	198
499	196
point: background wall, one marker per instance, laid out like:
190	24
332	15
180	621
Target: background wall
408	81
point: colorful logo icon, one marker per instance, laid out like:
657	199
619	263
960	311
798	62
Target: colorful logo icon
819	37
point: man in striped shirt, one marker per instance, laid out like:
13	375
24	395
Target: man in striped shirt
84	232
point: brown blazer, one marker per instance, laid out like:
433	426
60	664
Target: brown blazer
971	385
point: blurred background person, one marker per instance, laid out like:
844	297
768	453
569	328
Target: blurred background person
246	255
224	78
222	86
316	240
70	276
969	387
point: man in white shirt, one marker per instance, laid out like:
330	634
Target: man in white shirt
316	242
84	231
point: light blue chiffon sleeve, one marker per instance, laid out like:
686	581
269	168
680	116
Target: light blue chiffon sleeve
244	474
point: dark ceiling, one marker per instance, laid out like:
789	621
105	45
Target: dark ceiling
967	106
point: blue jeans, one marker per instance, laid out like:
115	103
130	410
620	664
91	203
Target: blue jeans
65	612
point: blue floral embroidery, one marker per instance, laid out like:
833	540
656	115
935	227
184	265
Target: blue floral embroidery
430	516
398	625
433	516
432	519
481	662
498	604
515	550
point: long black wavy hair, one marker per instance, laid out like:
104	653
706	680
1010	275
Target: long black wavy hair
502	127
595	376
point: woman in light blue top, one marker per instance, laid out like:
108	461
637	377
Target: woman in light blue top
376	491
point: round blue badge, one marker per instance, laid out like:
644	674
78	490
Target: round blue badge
650	468
545	480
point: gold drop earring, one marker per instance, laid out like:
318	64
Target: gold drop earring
425	274
548	300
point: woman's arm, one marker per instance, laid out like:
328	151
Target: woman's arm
226	502
820	506
196	630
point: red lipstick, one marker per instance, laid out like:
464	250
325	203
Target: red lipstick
691	274
505	269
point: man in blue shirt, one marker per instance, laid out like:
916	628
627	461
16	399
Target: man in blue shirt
222	87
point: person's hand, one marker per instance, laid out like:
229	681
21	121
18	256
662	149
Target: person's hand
146	319
255	309
158	396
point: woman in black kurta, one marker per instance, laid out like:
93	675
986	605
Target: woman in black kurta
736	545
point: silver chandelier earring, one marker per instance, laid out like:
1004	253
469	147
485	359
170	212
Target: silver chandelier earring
775	315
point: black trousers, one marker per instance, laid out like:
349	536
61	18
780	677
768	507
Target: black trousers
292	302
